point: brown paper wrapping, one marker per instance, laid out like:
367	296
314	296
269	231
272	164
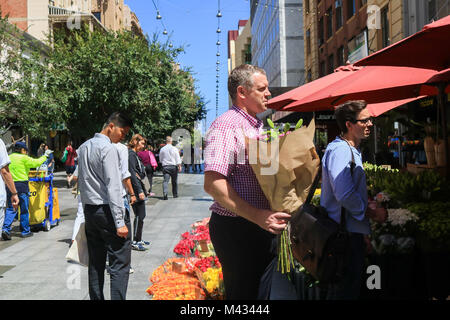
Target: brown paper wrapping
285	179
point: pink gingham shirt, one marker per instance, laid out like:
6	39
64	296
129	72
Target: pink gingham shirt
226	154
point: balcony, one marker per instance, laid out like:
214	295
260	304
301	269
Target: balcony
58	15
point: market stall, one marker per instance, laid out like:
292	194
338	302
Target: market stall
194	274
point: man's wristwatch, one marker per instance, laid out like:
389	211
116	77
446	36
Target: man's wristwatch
132	195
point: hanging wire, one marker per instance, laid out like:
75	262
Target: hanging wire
218	31
160	18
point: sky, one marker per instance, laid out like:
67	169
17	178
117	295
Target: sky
192	24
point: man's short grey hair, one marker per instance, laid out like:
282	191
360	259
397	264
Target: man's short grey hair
242	76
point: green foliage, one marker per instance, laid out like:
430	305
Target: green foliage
404	187
89	75
434	224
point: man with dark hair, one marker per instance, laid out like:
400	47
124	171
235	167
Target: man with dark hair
242	225
344	185
107	221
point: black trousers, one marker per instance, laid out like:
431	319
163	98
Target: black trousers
139	216
170	172
103	241
349	286
149	172
245	251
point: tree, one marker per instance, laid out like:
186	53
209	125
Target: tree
88	75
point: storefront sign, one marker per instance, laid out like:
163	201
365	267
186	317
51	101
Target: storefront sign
358	48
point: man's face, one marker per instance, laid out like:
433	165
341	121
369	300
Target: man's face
257	97
117	133
361	128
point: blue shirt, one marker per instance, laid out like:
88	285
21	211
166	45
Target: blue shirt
340	188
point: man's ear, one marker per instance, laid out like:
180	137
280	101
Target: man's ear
241	92
348	125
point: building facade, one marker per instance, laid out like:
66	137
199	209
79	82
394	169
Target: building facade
239	46
40	18
277	40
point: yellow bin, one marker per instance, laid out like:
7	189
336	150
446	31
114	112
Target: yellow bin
56	213
38	198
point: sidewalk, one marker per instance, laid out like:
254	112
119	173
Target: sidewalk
35	268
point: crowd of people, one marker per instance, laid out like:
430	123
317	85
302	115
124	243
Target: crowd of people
109	179
243	227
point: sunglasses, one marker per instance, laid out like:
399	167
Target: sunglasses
365	121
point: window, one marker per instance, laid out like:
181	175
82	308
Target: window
385	27
362	3
322	69
341	56
330	64
308	42
306	6
431	10
350	8
338	14
321	29
329	15
309	76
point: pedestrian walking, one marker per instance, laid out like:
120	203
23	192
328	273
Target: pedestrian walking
20	166
344	185
198	159
123	165
137	171
149	161
242	225
107	222
69	164
41	150
170	159
6	179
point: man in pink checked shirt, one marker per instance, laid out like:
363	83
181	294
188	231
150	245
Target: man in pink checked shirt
242	226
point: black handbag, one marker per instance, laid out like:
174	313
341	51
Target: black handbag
318	242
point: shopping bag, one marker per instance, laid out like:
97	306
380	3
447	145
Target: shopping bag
64	157
78	252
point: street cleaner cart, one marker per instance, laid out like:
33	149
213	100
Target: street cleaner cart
44	206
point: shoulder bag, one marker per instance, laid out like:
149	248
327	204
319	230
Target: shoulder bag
318	242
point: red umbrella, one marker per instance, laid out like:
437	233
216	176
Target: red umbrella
428	48
309	88
377	109
441	77
373	84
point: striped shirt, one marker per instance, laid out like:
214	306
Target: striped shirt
226	154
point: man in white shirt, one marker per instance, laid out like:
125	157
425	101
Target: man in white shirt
7	179
169	156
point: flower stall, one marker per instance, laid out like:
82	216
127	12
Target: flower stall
412	246
195	274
